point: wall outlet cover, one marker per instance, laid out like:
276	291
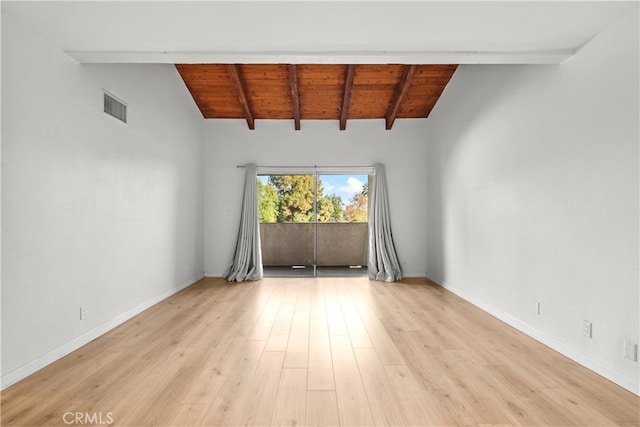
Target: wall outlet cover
631	350
587	329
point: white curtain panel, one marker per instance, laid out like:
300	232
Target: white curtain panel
383	260
247	260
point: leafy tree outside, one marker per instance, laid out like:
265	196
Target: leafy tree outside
267	203
289	198
356	210
295	196
338	208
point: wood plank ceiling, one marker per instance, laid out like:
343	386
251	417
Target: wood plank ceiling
314	91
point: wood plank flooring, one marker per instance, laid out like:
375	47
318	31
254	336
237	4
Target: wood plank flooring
325	351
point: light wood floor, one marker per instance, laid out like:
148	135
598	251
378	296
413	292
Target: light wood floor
317	352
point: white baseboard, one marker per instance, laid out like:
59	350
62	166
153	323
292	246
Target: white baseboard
410	274
213	274
29	368
546	339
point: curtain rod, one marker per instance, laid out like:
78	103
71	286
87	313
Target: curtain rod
301	167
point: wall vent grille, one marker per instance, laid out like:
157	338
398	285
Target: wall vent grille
114	107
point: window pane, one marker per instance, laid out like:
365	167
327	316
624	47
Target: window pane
286	212
342	198
286	198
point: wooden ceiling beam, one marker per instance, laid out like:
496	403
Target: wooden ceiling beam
315	91
398	95
241	91
346	99
295	97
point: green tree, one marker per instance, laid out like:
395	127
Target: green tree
325	210
267	203
295	194
289	198
338	208
357	209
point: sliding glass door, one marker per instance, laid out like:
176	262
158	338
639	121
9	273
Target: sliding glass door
313	224
341	230
287	211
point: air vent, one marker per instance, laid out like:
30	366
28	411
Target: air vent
114	107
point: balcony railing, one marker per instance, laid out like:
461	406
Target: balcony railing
337	244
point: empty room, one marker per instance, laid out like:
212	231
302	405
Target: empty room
320	213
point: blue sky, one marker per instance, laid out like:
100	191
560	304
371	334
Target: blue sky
344	186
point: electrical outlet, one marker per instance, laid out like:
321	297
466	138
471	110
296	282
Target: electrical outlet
631	350
83	313
587	329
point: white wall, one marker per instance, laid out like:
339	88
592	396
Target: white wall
533	196
229	143
95	213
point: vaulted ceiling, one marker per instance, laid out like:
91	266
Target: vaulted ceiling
252	60
320	32
315	91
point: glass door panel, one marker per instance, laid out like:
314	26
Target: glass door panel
286	208
341	234
313	224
